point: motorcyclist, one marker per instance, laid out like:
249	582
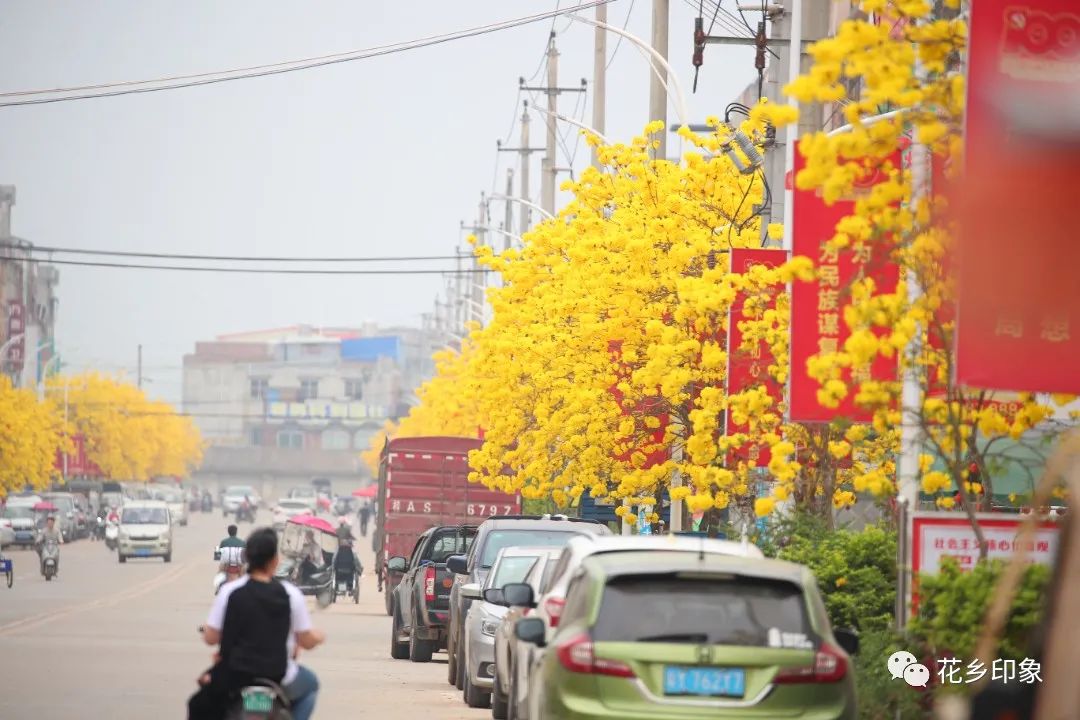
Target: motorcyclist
345	560
344	530
49	533
245	509
231	540
258	622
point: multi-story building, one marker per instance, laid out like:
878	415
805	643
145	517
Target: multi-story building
29	302
283	406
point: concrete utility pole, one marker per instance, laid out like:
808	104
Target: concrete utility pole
549	166
661	14
550	173
508	218
599	99
138	371
478	284
523	151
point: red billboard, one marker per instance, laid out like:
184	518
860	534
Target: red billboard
1017	264
750	369
76	463
817	307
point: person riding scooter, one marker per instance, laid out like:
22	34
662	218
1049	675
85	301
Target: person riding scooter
230	554
49	534
245	510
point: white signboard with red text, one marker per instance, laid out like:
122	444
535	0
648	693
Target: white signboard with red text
939	535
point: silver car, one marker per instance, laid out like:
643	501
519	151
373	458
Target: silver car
484	618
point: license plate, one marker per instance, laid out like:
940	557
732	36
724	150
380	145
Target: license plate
142	551
723	682
258	702
5	565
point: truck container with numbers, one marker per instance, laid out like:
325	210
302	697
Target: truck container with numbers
424	482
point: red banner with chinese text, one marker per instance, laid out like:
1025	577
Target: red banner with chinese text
1018	309
750	369
817	307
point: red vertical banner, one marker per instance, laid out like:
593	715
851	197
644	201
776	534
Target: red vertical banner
16	327
817	307
1018	307
76	462
748	369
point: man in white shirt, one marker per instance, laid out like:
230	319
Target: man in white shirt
258	622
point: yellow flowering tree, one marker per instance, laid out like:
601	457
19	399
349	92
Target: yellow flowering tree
30	436
127	435
909	67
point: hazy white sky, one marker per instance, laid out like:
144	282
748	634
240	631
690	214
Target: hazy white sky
376	157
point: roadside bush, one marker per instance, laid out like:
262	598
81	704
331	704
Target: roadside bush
952	604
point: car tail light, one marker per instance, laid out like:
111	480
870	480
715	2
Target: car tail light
829	666
554	607
429	584
576	655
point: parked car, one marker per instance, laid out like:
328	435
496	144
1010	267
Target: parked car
547	603
654	635
24	500
145	530
234	495
288	508
307	495
420	602
492	536
66	515
174	498
485	614
20	519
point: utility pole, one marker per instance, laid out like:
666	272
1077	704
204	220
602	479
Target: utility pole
523	151
550	174
508	218
549	169
599	99
657	92
139	368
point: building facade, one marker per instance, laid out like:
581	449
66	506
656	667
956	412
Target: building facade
28	297
279	407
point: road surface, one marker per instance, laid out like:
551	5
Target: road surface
119	641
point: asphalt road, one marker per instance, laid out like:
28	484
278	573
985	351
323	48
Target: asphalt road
106	640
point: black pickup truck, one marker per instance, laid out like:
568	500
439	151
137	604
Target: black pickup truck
421	601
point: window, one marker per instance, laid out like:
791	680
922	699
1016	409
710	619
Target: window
354	389
292	439
448	544
309	389
754	612
335	440
259	388
511	569
144	516
498	539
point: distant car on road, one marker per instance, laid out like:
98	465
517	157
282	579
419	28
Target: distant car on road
659	634
174	498
235	494
145	530
20	520
288	508
307	495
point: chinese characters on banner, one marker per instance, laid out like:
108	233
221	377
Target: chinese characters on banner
1018	314
16	326
817	308
749	369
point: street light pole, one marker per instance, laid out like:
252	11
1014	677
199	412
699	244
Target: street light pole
526	203
599	98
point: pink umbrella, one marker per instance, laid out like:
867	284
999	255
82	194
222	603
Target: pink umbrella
368	491
313	522
44	506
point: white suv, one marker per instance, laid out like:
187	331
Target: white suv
145	530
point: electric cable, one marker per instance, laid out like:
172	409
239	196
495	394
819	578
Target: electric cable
222	258
256	271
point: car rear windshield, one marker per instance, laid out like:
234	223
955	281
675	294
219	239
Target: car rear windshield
144	516
239	490
451	543
718	610
293	504
62	502
12	513
512	570
499	539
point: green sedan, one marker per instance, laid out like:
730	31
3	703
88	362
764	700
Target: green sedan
653	635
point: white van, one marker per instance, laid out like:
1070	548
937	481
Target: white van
145	530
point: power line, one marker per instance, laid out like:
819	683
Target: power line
228	258
618	43
256	271
133	87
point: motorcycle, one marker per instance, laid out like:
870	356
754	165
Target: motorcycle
245	513
50	559
112	535
265	700
229	572
98	532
